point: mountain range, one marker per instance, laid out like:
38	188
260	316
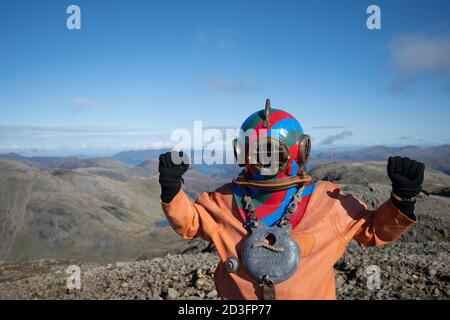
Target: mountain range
434	157
108	209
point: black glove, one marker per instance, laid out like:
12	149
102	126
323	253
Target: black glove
172	166
407	177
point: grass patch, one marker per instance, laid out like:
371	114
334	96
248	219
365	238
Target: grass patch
116	213
60	172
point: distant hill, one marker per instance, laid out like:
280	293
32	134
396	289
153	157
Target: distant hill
64	162
434	157
138	156
76	214
102	210
382	152
196	181
37	162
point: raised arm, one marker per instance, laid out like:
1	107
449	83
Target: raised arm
187	219
392	218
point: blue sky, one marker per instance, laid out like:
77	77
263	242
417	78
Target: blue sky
139	69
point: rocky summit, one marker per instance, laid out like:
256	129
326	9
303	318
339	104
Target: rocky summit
407	271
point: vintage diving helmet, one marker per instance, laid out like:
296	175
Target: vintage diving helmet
273	149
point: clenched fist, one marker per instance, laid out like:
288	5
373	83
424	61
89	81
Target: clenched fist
406	176
172	166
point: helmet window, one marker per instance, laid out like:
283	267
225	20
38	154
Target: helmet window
269	156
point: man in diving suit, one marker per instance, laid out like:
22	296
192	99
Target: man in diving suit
278	232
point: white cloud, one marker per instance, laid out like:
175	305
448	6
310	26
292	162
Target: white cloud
220	84
200	37
46	138
63	130
336	137
328	127
419	54
82	103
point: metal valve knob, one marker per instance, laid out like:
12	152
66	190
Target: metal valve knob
232	264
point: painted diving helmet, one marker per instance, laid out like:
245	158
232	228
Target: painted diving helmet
273	150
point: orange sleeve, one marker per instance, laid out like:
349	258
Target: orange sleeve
189	219
369	227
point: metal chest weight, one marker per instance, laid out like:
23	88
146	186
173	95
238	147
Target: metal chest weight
270	253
